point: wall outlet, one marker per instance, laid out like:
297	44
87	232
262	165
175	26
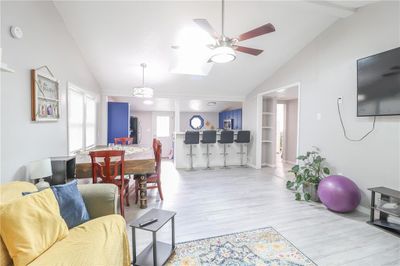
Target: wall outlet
319	116
340	99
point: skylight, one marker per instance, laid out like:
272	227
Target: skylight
192	53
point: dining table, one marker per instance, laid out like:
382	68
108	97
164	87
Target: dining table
139	162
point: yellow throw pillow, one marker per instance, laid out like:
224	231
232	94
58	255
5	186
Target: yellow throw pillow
30	225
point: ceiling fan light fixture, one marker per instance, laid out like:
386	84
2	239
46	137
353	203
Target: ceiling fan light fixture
223	54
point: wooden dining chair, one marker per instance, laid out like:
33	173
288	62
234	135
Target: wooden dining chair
123	141
111	172
155	141
153	179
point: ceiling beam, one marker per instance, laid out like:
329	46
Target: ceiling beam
331	8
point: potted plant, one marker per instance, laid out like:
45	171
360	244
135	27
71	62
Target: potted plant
308	173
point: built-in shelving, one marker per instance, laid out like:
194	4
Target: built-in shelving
268	131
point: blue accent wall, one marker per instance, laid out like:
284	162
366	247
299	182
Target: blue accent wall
236	115
118	121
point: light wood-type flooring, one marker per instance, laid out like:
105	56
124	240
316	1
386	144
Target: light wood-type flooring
222	201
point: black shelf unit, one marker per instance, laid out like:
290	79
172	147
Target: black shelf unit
387	196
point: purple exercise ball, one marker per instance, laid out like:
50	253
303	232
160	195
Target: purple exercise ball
338	193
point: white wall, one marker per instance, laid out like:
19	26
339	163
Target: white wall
326	69
45	42
212	117
290	142
145	126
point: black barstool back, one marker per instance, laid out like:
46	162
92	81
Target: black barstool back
243	138
226	137
209	137
191	138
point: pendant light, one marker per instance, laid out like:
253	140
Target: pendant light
143	92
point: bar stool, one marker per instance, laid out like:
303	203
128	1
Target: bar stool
209	137
226	138
243	138
191	138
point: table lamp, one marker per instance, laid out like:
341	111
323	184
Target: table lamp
39	170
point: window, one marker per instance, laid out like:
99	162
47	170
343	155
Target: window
75	120
162	126
196	122
81	120
90	122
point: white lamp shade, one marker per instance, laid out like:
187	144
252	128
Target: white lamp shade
40	169
223	54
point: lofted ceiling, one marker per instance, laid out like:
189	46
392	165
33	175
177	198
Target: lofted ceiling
287	94
116	37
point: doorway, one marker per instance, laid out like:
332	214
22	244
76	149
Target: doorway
277	127
163	130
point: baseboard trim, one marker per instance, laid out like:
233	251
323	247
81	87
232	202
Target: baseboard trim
268	165
252	165
363	209
289	162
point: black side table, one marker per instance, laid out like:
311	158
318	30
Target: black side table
63	168
157	252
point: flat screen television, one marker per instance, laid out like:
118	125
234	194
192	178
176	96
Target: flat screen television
378	84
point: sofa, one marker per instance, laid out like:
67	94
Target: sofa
100	241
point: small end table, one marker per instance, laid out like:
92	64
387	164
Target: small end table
387	195
157	252
63	169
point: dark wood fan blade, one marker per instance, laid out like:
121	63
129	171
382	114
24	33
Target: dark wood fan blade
267	28
248	50
203	23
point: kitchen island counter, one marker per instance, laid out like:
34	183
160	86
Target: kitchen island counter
181	151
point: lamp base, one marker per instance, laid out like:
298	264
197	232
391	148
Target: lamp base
42	184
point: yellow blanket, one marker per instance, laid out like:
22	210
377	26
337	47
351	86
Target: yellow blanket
102	241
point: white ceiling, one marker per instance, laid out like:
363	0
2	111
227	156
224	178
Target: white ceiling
167	104
115	37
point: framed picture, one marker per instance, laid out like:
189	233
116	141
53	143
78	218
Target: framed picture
45	97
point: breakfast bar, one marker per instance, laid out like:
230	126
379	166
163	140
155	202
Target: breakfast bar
182	159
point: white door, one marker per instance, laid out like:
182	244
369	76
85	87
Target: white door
164	129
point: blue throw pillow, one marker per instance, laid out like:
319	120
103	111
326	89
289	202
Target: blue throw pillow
72	206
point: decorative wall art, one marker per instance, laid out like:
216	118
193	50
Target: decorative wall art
45	96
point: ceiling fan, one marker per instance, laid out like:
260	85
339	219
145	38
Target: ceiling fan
223	50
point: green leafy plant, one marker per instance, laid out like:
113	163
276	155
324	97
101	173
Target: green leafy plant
311	169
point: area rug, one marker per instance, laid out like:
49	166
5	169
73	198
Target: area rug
263	246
